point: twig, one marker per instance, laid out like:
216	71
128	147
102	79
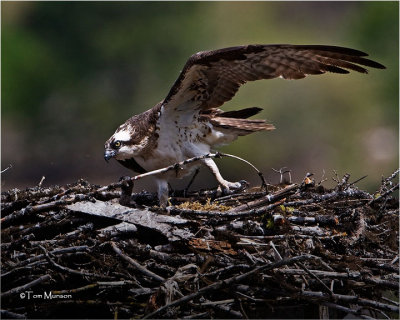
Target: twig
94	285
6	169
241	267
383	195
323	179
277	254
345	309
391	301
382	266
394	260
136	264
312	231
239	196
228	282
192	179
31	194
55	251
282	172
25	286
313	275
69	270
175	167
228	309
358	180
213	303
384	283
244	314
5	314
266	199
391	177
41	181
263	183
343	183
316	198
326	274
81	289
205	315
323	220
350	299
43	207
361	226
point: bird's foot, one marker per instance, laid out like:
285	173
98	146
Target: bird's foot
233	187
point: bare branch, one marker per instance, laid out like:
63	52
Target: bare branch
6	169
136	264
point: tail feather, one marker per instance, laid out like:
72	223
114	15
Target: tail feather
228	126
242	126
238	122
243	113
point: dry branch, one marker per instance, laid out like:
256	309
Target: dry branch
136	264
69	270
25	287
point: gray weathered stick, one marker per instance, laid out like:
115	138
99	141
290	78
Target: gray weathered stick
25	286
136	264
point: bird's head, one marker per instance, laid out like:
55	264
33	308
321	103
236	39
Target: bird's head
125	143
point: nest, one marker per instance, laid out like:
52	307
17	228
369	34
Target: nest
284	251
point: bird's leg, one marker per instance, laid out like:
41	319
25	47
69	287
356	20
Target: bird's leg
162	192
227	185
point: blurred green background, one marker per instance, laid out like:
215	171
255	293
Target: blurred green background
73	71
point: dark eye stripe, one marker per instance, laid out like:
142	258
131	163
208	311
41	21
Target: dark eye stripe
117	144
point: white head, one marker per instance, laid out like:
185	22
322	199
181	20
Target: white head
126	143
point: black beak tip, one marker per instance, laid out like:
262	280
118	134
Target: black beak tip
108	155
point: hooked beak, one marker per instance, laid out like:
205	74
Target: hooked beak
109	153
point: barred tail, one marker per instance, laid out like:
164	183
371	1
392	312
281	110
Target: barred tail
237	121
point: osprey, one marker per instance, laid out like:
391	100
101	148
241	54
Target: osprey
188	123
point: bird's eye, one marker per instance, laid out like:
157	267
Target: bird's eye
117	144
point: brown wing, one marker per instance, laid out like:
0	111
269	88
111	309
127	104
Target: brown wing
211	78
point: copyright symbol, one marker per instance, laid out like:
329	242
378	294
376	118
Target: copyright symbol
22	295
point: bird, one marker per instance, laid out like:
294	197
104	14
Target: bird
189	123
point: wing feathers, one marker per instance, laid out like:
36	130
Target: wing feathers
329	49
210	78
340	63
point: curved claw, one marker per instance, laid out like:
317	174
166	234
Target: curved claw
233	187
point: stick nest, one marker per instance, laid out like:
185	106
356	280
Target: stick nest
293	251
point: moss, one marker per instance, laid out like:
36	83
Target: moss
208	206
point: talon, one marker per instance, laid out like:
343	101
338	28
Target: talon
232	187
244	184
238	185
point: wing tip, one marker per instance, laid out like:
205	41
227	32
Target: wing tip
377	65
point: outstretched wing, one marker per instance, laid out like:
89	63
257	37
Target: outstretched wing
210	78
